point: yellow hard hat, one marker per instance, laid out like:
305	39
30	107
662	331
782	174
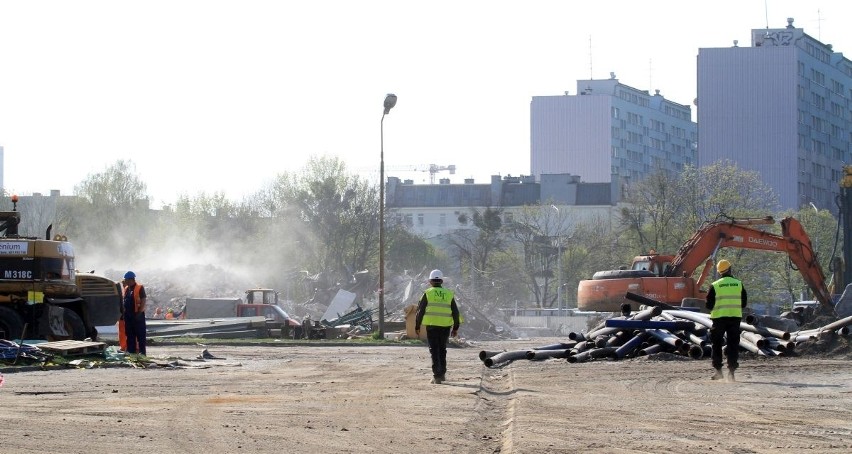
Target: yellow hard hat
723	266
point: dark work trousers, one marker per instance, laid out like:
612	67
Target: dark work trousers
438	337
135	330
726	327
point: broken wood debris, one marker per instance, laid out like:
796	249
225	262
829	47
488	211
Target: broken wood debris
72	347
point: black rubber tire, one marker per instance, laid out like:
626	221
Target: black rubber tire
621	274
73	325
11	324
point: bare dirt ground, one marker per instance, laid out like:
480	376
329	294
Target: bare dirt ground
354	399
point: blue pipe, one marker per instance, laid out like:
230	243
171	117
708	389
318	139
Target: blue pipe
606	352
666	337
534	355
631	345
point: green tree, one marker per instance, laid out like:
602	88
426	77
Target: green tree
407	251
822	229
474	247
331	213
662	211
537	233
117	186
111	207
723	189
653	207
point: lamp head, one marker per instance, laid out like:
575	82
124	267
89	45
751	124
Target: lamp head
390	101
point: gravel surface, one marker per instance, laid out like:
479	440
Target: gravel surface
359	399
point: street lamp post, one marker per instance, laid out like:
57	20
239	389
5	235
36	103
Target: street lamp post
390	101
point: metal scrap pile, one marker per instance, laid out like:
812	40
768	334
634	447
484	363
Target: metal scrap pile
674	331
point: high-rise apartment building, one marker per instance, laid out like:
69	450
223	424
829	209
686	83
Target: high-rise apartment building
609	131
781	108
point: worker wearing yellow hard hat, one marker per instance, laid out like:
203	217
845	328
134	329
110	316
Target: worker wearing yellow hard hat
726	299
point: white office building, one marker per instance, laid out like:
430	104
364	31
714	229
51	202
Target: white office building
781	108
609	131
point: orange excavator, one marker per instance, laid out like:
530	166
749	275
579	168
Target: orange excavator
668	279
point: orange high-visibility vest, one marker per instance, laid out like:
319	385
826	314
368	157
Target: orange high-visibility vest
137	301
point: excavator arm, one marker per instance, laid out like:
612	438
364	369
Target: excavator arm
803	256
701	248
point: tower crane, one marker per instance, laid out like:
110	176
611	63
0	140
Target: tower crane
431	168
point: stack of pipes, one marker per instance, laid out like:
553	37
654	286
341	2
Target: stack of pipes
655	329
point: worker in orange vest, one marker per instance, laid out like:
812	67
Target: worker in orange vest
133	312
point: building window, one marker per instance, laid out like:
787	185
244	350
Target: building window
508	218
409	220
420	220
818	101
442	219
634	137
818	77
634	118
616	113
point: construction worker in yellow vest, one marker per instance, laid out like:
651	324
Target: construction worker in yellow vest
439	313
725	300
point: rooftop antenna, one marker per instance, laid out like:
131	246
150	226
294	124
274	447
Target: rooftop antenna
819	26
766	12
590	57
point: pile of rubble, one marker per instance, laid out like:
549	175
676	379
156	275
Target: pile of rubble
684	334
169	289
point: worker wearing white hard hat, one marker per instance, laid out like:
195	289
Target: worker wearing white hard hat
439	313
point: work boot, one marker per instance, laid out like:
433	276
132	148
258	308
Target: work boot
718	375
436	381
731	376
442	378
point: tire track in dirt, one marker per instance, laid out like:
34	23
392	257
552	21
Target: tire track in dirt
496	408
748	422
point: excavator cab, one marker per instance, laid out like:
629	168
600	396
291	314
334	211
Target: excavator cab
9	221
655	263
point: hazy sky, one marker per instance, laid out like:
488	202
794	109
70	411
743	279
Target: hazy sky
223	95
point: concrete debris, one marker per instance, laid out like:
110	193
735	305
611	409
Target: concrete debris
169	289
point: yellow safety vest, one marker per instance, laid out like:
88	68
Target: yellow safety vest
439	311
34	297
729	298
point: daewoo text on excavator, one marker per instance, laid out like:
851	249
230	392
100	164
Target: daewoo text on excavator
668	279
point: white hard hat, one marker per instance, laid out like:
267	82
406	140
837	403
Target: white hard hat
436	274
